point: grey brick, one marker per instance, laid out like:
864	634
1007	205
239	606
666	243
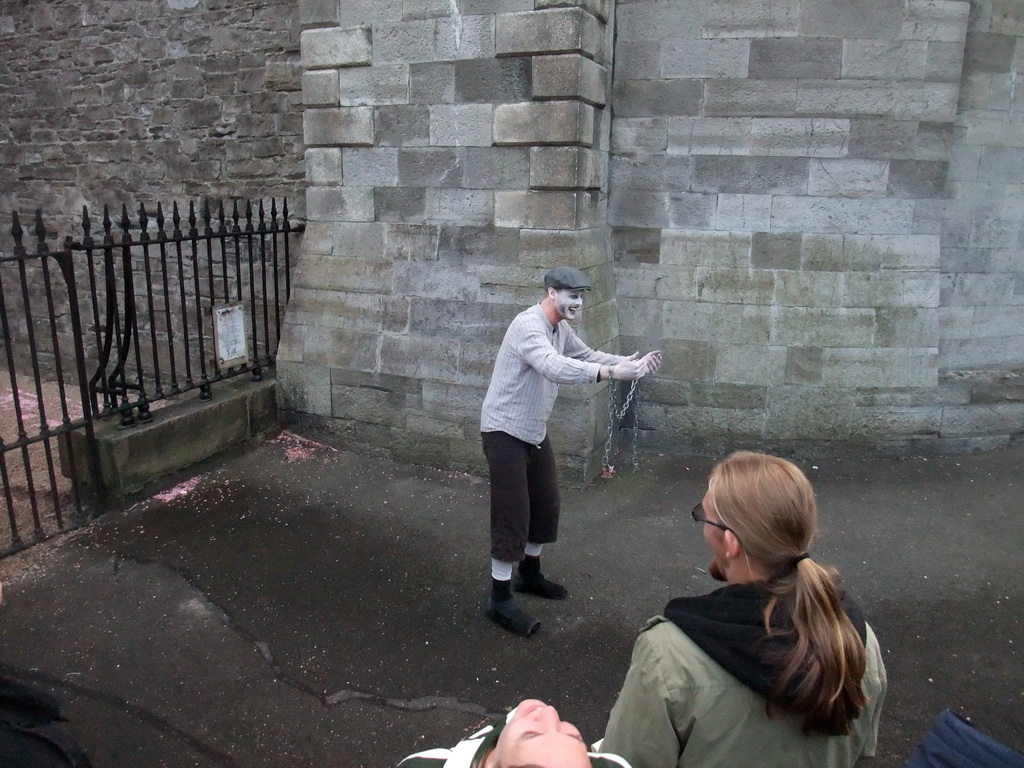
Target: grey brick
566	168
424	9
755	98
468	37
400	204
599	8
334	47
653	98
569	76
638	60
917	178
743	212
323	166
823	327
432	83
750	364
660	209
709	135
934	141
882	367
721	323
945	62
430	167
650	172
642	134
775	251
884	59
926	101
493	80
654	21
402	126
546	210
701	58
815	214
477	245
369	12
559	30
494	6
929	20
1002	164
549	122
735	286
843	98
341	126
744	19
634	245
467	206
370	167
791	58
376	86
907	327
497	168
404	42
883	138
699	248
749	175
803	365
583	248
406	242
884	216
320	88
827	253
808	289
799	137
848	178
461	125
314	13
339	204
868	19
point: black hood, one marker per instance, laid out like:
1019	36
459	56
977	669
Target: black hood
728	625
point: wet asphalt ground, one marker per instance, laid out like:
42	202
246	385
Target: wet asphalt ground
300	605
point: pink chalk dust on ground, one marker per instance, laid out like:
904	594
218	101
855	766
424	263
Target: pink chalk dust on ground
298	448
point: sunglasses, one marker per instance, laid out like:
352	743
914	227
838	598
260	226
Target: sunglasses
699	516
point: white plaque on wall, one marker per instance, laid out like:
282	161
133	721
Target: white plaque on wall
229	335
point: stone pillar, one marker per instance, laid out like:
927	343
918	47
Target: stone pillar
454	153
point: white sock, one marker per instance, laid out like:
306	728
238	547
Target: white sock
501	570
533	550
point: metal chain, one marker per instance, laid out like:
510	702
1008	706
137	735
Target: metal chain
615	415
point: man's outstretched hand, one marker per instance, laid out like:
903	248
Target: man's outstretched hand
636	367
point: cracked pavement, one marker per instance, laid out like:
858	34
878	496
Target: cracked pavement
304	606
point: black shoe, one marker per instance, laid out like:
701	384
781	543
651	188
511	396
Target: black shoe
538	585
509	615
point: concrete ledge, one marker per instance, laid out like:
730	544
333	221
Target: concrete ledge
123	460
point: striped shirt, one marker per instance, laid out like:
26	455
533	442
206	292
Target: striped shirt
534	358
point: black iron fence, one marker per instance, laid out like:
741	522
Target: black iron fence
147	309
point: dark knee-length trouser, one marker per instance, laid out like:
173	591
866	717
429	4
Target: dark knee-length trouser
524	494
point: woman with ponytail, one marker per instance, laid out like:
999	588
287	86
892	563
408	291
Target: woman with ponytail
776	669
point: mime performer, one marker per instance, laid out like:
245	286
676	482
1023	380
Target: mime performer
540	351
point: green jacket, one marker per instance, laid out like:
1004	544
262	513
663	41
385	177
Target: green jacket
678	707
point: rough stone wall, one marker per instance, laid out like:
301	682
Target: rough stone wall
776	197
981	320
825	245
144	100
455	151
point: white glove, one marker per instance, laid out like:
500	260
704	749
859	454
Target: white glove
632	368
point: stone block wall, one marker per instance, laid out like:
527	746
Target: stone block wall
145	101
794	223
981	320
454	152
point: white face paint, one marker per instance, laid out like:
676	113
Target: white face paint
568	302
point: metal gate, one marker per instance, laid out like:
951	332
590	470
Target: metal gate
109	327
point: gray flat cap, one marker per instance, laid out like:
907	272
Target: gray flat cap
566	277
